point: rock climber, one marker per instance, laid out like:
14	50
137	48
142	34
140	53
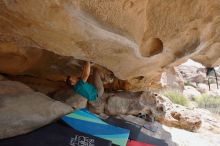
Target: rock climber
81	86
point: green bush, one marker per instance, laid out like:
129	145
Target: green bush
175	97
209	102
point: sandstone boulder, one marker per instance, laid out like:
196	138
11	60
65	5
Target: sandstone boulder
124	103
182	117
13	88
98	106
203	88
190	92
76	101
136	40
192	72
172	79
155	105
23	110
69	97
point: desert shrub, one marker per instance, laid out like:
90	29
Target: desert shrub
209	102
175	97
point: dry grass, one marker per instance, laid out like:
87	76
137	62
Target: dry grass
209	102
175	96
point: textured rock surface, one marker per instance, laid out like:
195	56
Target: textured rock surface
190	92
39	84
192	72
159	107
66	95
203	88
207	135
172	79
23	110
36	62
77	101
122	35
194	79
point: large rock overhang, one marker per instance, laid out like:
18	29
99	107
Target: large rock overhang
122	35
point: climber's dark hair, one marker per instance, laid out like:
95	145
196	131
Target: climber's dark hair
68	82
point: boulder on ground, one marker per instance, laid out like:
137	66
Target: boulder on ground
76	101
155	105
98	106
190	92
67	96
203	88
22	110
172	79
192	71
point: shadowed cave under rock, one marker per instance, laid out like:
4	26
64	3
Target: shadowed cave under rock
131	42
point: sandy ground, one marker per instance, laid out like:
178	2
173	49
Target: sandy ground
185	138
